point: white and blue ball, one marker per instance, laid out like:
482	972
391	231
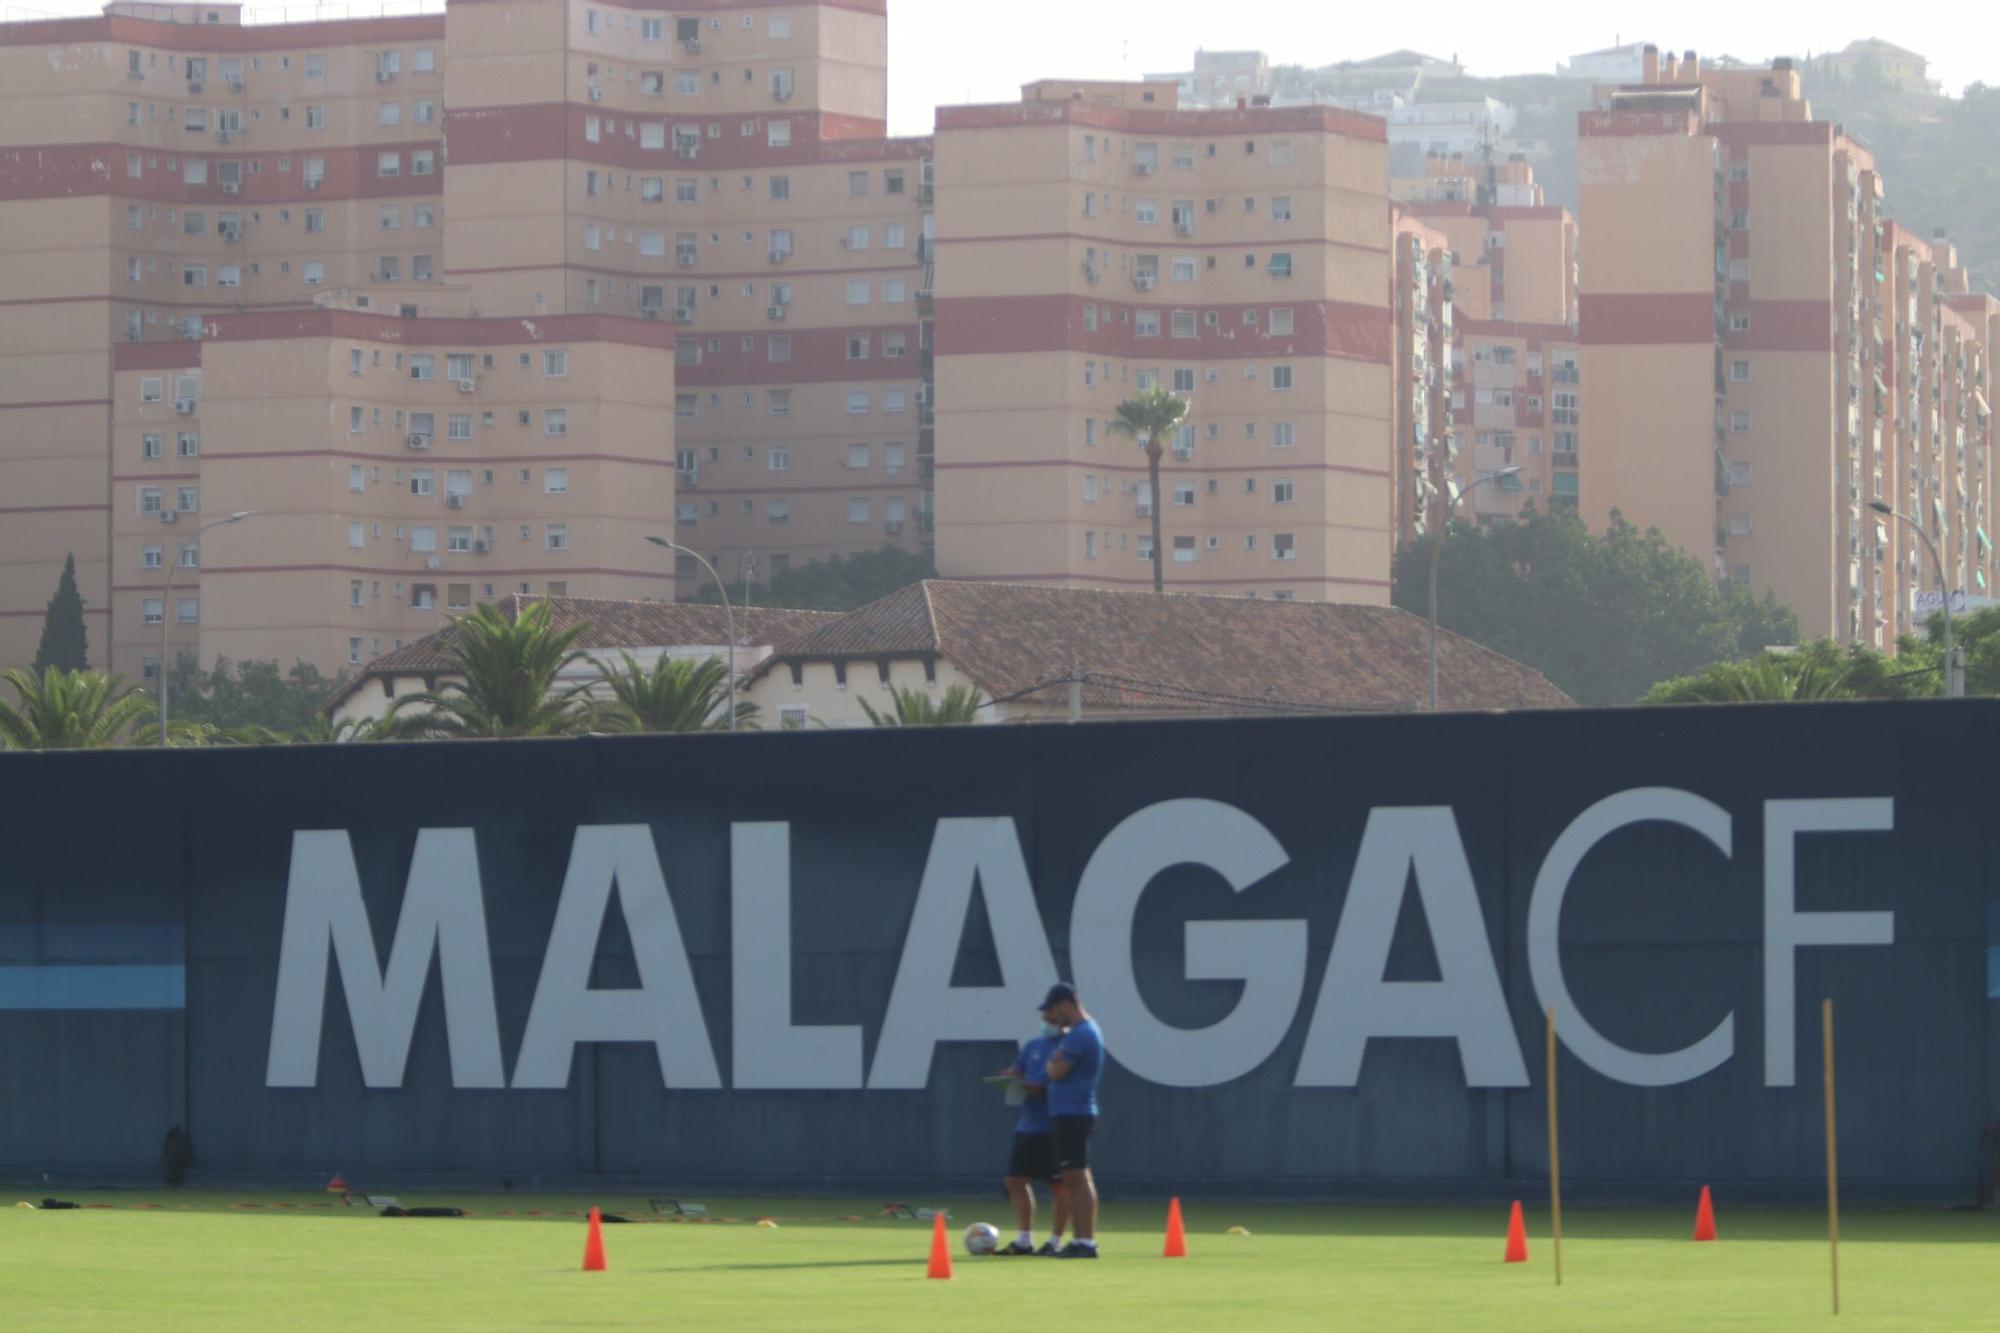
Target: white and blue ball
982	1238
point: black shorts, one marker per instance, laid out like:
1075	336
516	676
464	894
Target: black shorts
1033	1157
1072	1140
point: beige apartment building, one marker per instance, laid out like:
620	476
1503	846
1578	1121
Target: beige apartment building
1768	354
719	168
1093	241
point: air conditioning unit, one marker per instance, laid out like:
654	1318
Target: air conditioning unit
782	94
847	242
236	85
467	386
684	258
777	312
780	256
1143	168
596	94
1184	453
194	87
1145	509
649	312
222	136
1145	282
893	526
231	234
170	516
232	187
419	441
691	45
482	546
683	314
1184	229
454	501
384	75
184	407
314	182
687	152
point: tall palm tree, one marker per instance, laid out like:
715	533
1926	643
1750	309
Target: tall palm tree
70	710
676	695
1149	418
504	682
958	707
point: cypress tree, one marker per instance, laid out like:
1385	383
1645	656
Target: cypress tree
65	645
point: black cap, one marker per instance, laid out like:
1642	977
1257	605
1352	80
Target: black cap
1059	992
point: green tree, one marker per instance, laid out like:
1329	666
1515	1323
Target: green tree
65	642
841	583
70	710
1149	418
910	707
231	697
505	682
1604	617
1817	671
676	695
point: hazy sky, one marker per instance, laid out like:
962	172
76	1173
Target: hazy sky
947	51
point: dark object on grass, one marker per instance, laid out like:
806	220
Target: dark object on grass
176	1152
56	1205
612	1217
394	1210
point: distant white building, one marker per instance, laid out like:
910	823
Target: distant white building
1614	64
1449	127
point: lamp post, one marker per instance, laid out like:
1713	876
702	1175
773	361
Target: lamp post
167	606
728	616
1437	551
1954	675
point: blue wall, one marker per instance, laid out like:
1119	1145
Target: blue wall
143	897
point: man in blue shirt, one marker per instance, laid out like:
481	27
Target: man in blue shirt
1033	1156
1074	1070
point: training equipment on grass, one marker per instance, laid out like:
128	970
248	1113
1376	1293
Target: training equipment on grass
767	1221
940	1266
1176	1247
1555	1159
678	1208
1238	1231
593	1245
1704	1217
982	1238
1517	1237
337	1185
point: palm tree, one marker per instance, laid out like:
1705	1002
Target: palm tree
958	707
323	730
504	682
1773	678
70	710
1149	418
677	695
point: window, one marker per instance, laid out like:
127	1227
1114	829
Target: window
857	347
315	219
857	402
423	481
1281	208
1184	551
1281	546
357	474
152	389
1184	494
894	291
424	113
1739	474
1146	212
1739	321
423	366
1281	152
151	610
151	445
1739	270
1739	525
555	481
779	402
1182	270
555	421
1184	325
423	60
357	535
857	511
780	134
187	499
187	610
555	363
357	592
1739	372
555	537
1146	324
389	113
423	162
188	444
1281	322
388	164
1281	378
1281	265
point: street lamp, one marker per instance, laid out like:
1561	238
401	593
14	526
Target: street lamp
728	616
1437	550
167	606
1954	675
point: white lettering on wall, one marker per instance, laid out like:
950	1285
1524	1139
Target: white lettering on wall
1268	957
769	1052
442	912
663	1009
1466	1003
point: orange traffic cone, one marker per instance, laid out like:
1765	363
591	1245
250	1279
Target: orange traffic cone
1176	1234
940	1248
1704	1217
593	1245
1517	1237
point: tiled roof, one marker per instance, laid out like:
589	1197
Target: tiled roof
1178	653
613	624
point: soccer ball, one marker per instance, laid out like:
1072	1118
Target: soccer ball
981	1238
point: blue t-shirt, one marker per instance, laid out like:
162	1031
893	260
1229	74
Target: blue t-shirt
1033	1062
1076	1092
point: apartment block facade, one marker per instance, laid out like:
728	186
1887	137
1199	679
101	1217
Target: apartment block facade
1768	354
717	168
1094	241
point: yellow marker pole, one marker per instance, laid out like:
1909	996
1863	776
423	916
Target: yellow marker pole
1555	1153
1832	1155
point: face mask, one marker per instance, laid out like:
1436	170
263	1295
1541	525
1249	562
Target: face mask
1051	1030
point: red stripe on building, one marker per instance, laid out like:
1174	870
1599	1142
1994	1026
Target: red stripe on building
999	325
819	356
1786	326
225	37
71	171
677	276
367	326
445	456
1149	245
1646	318
542	131
1188	124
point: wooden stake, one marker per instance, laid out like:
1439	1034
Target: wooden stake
1555	1154
1832	1155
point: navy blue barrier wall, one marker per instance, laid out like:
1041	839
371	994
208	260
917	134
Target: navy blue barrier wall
144	928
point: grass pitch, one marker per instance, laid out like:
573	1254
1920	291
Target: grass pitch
208	1261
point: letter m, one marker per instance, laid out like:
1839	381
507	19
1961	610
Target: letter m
442	913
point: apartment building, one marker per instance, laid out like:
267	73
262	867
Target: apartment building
398	469
1426	344
722	168
1768	354
1096	240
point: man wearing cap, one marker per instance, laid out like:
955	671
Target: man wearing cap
1074	1071
1033	1157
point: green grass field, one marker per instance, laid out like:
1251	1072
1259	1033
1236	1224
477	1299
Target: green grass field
205	1261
